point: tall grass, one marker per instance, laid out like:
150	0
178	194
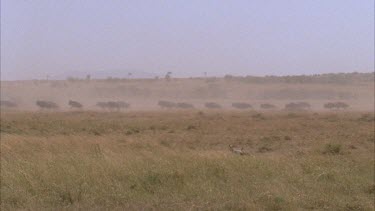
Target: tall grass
182	161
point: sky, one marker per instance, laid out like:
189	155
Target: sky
187	38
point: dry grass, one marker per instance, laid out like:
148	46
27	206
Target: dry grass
181	160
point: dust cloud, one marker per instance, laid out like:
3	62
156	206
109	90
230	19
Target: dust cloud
260	93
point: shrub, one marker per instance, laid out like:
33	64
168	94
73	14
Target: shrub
332	149
258	116
132	131
191	127
264	149
367	118
371	189
292	115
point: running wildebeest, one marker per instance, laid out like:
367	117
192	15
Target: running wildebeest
46	104
184	105
75	104
7	104
122	104
212	105
304	105
330	106
112	105
241	105
267	106
166	104
341	105
298	106
336	105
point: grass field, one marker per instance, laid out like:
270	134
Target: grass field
181	161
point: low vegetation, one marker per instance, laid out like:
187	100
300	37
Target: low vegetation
333	149
181	160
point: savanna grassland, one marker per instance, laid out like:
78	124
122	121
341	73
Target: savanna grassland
180	160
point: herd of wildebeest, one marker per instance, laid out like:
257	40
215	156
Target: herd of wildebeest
119	105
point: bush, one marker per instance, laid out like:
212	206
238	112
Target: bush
263	149
332	149
191	127
371	189
367	118
258	116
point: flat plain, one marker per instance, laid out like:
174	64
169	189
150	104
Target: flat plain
180	160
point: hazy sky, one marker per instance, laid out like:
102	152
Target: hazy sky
249	37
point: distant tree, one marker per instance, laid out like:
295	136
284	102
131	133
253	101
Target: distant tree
168	76
228	77
71	79
88	77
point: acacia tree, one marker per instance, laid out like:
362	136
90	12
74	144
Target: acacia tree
168	76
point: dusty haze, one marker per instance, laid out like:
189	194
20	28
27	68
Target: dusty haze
357	90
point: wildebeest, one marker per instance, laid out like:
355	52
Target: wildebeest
342	105
298	106
166	104
336	105
184	105
304	105
112	105
329	106
75	104
46	104
267	106
123	104
212	105
241	105
7	104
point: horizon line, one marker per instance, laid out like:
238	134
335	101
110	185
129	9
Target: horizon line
191	77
